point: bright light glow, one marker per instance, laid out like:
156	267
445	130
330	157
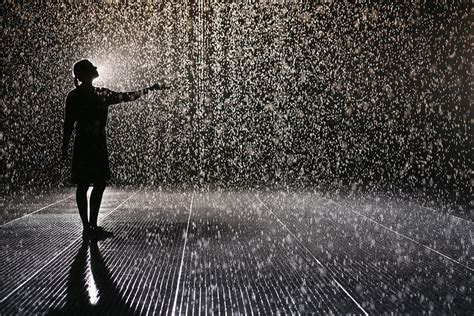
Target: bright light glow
92	289
105	70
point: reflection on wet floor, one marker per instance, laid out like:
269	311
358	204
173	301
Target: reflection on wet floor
236	252
90	288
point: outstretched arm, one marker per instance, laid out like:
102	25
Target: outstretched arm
119	97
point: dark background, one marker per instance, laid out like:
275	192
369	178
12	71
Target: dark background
346	97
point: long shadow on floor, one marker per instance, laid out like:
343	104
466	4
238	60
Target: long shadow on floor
90	288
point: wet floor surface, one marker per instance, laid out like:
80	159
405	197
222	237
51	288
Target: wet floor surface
194	252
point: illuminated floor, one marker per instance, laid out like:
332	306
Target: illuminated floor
227	252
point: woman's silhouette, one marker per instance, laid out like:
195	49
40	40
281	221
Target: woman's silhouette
86	111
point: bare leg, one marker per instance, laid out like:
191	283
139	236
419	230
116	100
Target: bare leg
81	200
96	199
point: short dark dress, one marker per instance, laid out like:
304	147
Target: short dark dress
87	107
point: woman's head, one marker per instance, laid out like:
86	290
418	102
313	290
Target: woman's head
84	71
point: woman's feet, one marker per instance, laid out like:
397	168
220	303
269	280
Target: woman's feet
99	233
86	232
96	233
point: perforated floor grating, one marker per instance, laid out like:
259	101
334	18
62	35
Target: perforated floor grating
222	252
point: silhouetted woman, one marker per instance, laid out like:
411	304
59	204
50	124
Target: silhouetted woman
86	111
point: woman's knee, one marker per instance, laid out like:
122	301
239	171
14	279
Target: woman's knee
82	188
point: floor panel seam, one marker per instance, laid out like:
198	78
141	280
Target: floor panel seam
406	237
173	311
57	255
44	207
311	254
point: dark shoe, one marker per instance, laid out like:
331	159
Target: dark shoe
98	233
86	234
